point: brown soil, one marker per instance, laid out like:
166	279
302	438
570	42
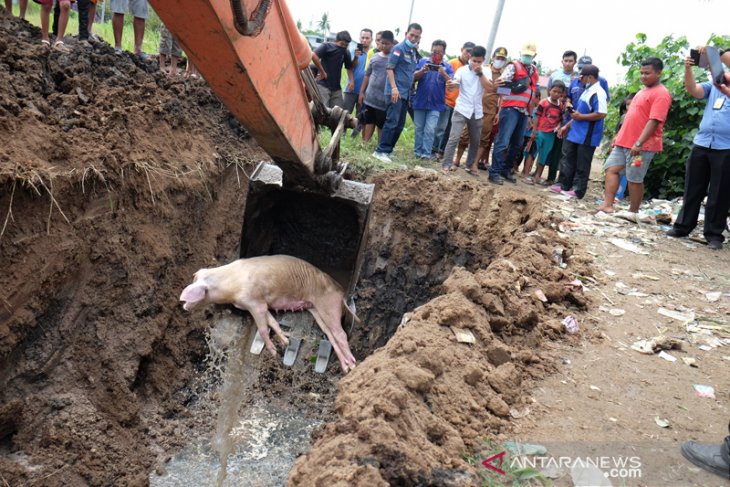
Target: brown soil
117	184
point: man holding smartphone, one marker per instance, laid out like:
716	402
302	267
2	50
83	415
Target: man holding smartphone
431	74
359	57
708	166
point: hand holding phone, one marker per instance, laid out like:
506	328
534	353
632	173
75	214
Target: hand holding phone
433	67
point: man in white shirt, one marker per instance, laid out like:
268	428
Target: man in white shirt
468	110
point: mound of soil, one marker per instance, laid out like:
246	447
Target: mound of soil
410	412
116	185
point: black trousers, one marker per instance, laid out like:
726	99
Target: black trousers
83	8
707	174
575	167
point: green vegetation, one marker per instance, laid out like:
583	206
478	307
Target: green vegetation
665	178
150	43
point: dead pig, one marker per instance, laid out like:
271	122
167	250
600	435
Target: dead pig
278	282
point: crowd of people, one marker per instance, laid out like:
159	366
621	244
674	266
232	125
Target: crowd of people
478	104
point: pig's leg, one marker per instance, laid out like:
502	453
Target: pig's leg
331	338
277	329
259	312
330	309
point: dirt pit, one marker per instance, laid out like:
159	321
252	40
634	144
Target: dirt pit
117	184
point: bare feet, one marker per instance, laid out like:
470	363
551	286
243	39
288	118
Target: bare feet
605	209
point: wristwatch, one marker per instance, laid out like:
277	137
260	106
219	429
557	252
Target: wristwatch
638	144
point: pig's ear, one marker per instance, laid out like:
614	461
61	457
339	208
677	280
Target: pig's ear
194	293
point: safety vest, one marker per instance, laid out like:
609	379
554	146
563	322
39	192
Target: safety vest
521	99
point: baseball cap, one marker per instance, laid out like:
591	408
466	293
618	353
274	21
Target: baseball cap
529	49
589	70
500	51
584	60
468	45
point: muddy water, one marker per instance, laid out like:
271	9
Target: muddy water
254	443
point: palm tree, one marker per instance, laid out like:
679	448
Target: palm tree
397	32
324	24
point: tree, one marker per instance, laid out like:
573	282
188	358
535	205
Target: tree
665	177
397	32
324	24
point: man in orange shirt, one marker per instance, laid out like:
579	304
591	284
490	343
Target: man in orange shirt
443	126
639	139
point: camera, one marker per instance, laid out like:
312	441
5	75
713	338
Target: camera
433	67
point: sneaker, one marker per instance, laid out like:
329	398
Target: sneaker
713	458
673	232
715	244
555	188
511	178
570	193
497	179
382	156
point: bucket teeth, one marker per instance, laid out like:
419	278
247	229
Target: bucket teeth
323	356
292	350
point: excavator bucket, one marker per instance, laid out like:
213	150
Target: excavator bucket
253	57
326	230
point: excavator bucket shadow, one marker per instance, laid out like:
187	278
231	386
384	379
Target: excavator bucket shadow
327	230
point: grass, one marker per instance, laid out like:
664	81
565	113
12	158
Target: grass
358	153
150	43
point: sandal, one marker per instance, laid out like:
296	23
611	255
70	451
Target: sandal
452	168
45	43
61	47
445	171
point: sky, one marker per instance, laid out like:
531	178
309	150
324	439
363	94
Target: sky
601	29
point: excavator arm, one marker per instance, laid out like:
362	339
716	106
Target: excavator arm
257	62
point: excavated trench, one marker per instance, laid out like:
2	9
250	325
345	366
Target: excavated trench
117	184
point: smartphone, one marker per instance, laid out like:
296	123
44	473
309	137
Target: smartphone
504	90
716	70
700	60
433	67
359	46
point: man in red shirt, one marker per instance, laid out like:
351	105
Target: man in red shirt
638	140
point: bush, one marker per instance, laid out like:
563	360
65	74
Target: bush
665	178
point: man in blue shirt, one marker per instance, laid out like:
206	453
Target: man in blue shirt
430	98
400	69
360	57
575	87
709	162
584	135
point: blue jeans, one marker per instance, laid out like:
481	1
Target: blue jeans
441	137
425	122
508	144
395	120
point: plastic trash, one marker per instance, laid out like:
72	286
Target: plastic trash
704	391
571	324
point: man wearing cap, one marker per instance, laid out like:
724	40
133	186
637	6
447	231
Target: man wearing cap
443	126
585	133
575	88
521	77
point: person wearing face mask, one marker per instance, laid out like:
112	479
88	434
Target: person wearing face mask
401	66
575	89
431	75
490	106
584	135
521	78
